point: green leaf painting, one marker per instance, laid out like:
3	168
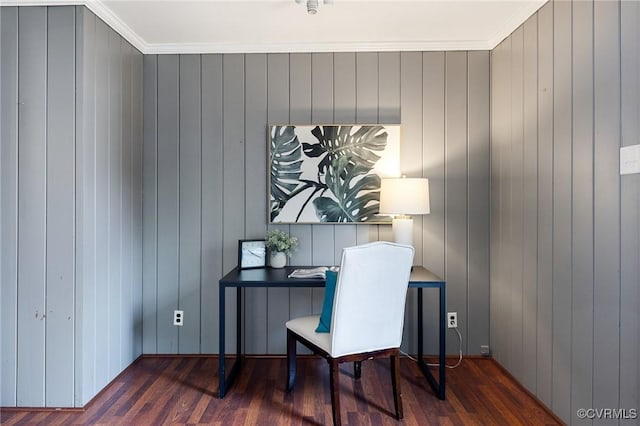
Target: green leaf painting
329	174
285	166
353	200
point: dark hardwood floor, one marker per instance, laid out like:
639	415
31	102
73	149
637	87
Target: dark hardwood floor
183	390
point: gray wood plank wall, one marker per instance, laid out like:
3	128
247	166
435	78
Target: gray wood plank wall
565	228
109	221
205	182
71	205
565	244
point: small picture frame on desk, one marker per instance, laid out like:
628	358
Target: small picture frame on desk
252	254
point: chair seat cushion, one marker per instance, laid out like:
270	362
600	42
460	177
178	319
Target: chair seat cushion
324	325
305	327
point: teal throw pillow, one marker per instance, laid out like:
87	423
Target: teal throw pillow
327	306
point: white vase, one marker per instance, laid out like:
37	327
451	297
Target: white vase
278	259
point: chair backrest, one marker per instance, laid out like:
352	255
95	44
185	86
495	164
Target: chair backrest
369	303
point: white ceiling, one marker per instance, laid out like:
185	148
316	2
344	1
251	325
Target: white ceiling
222	26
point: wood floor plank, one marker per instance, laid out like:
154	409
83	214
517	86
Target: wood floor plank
183	390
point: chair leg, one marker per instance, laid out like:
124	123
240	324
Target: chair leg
357	369
291	360
395	381
334	382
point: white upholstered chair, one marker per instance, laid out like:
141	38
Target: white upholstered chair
367	317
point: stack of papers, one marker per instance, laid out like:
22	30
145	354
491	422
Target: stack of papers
318	272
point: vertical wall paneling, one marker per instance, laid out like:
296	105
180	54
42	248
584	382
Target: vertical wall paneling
606	195
68	236
278	80
240	96
126	285
516	163
32	152
564	224
582	212
630	210
190	202
433	164
456	188
60	278
101	49
411	165
389	87
478	201
497	99
344	75
367	88
529	193
581	58
233	201
544	299
499	81
149	207
108	289
8	202
257	144
168	206
212	197
134	238
115	217
137	140
562	195
255	299
530	196
503	290
85	226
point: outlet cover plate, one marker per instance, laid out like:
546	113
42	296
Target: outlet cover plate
178	318
630	160
452	319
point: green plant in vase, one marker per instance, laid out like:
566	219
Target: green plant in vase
280	245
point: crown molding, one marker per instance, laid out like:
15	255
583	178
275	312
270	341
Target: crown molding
513	23
95	6
372	46
111	19
102	12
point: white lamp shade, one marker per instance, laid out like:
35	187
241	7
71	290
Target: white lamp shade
405	196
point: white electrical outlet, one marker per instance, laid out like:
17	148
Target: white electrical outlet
178	318
630	160
484	350
452	319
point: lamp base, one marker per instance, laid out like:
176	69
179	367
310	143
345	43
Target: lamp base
402	227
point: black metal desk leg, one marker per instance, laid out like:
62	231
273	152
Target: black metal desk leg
222	389
437	386
443	331
239	326
225	380
420	325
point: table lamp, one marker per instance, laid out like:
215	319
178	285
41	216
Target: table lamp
402	197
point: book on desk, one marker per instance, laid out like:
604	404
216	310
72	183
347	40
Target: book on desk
317	272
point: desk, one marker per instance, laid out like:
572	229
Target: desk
269	277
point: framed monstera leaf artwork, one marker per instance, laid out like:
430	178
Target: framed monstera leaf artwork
330	173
